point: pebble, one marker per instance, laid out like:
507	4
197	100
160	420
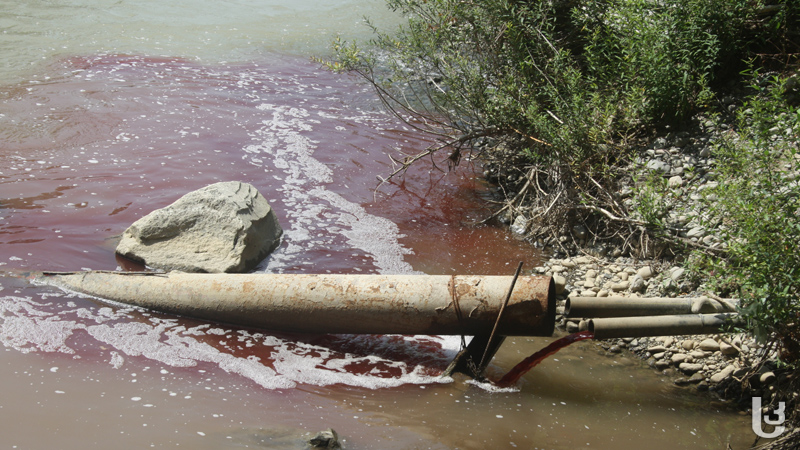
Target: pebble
638	284
723	374
658	166
645	272
696	232
767	378
690	367
709	345
656	349
727	349
661	365
677	273
678	358
621	286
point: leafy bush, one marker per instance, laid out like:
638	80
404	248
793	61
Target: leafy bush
757	208
553	93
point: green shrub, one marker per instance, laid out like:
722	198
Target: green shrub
757	208
553	93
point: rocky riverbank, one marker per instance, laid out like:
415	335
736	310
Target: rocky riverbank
676	174
703	362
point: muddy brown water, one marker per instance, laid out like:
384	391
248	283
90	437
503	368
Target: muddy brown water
98	127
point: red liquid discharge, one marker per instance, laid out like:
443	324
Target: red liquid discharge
532	361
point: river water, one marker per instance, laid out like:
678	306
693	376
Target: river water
111	109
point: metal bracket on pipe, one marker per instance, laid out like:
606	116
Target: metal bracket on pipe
464	362
468	360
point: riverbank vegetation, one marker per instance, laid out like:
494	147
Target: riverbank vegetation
559	99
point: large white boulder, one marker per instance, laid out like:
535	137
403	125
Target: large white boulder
224	227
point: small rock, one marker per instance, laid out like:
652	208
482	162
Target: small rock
723	374
688	368
621	286
645	272
678	358
696	232
520	225
615	349
656	349
579	232
727	349
675	182
325	439
767	378
677	273
669	285
661	365
638	284
694	379
688	344
709	345
697	377
572	327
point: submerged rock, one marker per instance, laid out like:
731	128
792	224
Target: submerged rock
224	227
326	439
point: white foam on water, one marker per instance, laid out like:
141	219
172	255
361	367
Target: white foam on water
309	204
28	325
27	329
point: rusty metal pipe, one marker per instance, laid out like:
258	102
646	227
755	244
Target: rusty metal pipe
627	306
351	304
673	325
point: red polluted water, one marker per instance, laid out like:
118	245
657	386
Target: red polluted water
98	141
532	361
108	138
